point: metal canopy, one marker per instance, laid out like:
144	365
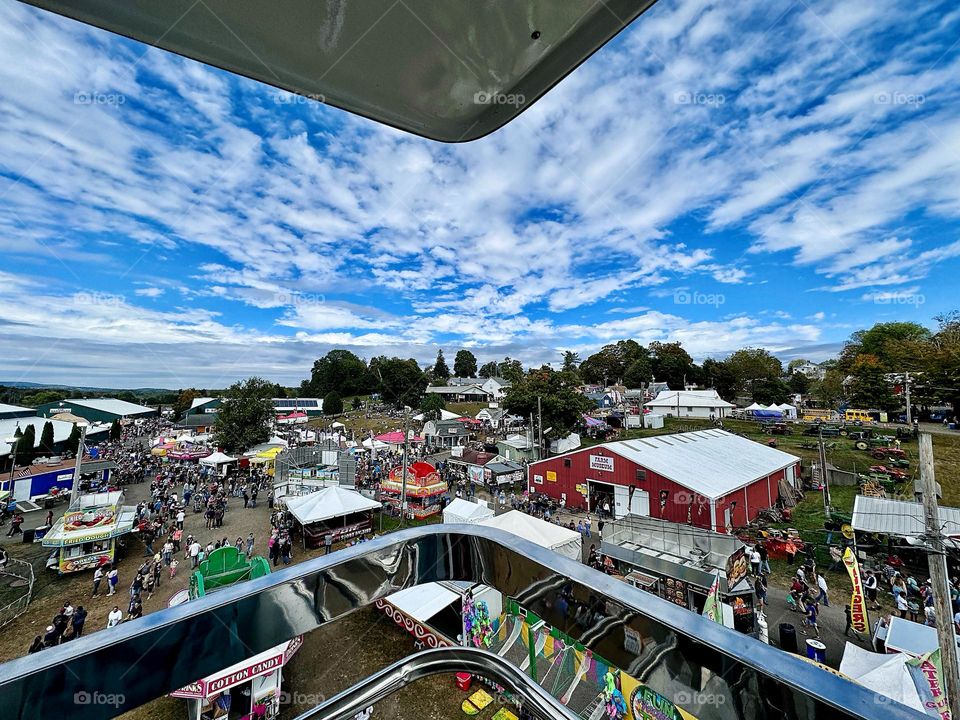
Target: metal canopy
451	71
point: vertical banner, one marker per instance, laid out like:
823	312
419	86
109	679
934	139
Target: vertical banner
927	674
711	608
858	604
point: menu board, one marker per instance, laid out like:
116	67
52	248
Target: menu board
674	590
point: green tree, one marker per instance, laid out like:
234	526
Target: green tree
799	383
940	380
562	405
571	361
184	401
638	374
42	397
465	364
245	414
73	442
893	344
829	391
488	369
25	445
611	362
770	391
717	374
46	438
672	364
332	403
115	430
339	370
870	388
752	364
431	406
402	382
511	370
357	402
440	370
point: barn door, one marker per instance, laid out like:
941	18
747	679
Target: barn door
621	501
640	503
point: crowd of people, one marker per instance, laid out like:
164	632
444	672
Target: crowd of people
66	625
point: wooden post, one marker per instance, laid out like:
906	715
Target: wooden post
939	577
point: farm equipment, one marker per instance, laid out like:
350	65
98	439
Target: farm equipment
883	453
777	429
898	475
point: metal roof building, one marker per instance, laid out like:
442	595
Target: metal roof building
14	411
708	478
97	409
902	518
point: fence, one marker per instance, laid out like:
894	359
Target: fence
16	573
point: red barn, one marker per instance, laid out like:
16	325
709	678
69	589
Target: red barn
709	478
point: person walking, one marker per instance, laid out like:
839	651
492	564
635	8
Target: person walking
755	560
180	517
115	617
194	551
78	620
113	577
250	542
848	617
822	585
328	542
15	524
871	586
811	619
97	579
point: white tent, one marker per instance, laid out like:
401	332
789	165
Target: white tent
375	444
444	415
755	406
565	444
789	411
338	425
330	502
422	602
885	674
556	538
217	458
464	511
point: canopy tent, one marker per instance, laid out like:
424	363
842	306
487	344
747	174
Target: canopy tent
422	602
217	458
444	415
396	438
556	538
338	425
266	457
789	411
755	406
884	673
591	422
330	502
375	444
464	511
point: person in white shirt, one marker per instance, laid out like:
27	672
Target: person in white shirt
755	560
902	604
822	584
194	551
180	517
114	617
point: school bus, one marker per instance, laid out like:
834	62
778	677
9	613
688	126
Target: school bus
853	415
815	415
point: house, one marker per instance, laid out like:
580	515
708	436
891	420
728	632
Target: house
811	370
459	393
517	448
710	478
495	387
445	433
493	416
690	404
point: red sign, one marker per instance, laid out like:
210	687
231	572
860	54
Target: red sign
242	675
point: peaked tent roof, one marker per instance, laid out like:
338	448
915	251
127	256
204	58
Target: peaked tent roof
464	511
328	502
560	539
217	458
689	398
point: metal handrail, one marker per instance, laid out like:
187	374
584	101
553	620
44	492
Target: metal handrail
139	661
433	662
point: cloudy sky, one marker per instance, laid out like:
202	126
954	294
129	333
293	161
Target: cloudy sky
763	173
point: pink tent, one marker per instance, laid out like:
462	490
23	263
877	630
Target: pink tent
396	438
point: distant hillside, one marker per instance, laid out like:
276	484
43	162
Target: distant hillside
80	388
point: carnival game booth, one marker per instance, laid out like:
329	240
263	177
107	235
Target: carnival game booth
334	510
680	563
464	511
424	489
188	452
448	613
88	534
247	689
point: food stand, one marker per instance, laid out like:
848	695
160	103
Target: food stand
333	511
89	532
423	492
680	563
247	688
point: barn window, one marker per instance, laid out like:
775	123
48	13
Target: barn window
641	475
566	462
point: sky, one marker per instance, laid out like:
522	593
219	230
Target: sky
763	173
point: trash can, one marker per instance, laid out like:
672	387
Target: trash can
816	650
788	638
29	535
463	681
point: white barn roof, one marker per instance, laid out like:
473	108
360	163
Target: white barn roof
712	463
689	398
112	405
899	517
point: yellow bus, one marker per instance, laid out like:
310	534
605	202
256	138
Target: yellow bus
853	415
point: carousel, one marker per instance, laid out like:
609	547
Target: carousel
423	493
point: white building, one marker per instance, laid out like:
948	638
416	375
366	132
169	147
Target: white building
690	404
811	370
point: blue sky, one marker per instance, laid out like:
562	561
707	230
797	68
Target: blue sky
772	174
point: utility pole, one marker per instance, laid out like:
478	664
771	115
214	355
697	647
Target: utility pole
76	470
937	558
403	483
823	475
906	393
540	423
